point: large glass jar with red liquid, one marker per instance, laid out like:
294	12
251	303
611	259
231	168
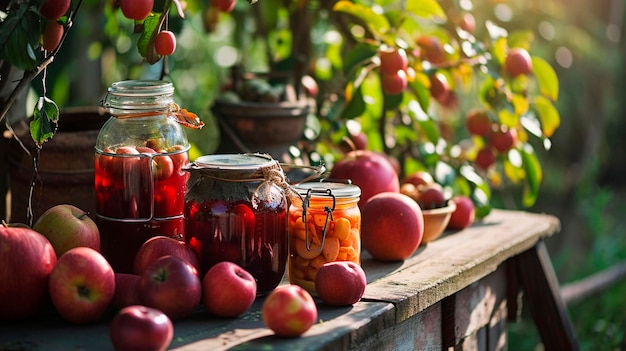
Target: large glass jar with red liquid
236	210
324	227
139	179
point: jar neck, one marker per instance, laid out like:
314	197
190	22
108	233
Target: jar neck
139	98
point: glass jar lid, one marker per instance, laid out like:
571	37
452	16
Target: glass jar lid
234	161
139	95
339	190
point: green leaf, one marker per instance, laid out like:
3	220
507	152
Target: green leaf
426	8
533	175
355	57
150	28
376	23
44	122
19	38
356	106
548	115
427	125
482	204
546	77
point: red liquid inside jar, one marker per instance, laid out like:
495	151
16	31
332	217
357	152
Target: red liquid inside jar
138	196
233	231
236	210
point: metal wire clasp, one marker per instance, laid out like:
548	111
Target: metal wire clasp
328	210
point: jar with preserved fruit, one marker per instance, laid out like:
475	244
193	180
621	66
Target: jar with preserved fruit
325	227
236	210
139	179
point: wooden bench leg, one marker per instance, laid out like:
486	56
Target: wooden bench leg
542	293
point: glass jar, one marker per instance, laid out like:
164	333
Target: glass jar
139	181
326	227
236	210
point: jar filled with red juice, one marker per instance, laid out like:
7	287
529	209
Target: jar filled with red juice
236	210
324	227
139	179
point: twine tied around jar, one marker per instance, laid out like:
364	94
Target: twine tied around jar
174	111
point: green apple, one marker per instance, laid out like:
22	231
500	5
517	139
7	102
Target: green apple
66	227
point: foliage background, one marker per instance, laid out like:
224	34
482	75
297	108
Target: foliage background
583	172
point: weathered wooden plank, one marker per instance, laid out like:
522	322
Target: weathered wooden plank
474	307
456	260
420	332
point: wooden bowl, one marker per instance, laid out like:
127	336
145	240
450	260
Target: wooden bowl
436	220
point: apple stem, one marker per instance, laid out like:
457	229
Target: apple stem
83	215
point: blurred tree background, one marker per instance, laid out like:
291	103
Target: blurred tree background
583	171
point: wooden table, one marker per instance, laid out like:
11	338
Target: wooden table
458	291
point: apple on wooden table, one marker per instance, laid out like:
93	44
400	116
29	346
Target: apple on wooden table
340	283
26	261
172	285
371	171
66	227
392	226
228	290
464	214
136	328
160	246
289	310
82	285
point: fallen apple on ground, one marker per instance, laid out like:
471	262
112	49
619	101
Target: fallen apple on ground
26	261
160	246
136	328
66	227
171	285
228	290
289	311
340	283
82	285
392	226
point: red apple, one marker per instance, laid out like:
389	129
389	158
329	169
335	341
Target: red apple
162	166
228	290
419	178
393	60
392	226
82	285
485	158
123	161
518	62
289	310
439	86
137	328
160	246
394	83
478	122
432	49
503	138
26	261
171	285
369	170
340	283
431	196
464	214
126	290
66	227
180	158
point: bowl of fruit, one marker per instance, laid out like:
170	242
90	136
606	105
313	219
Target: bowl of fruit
436	209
